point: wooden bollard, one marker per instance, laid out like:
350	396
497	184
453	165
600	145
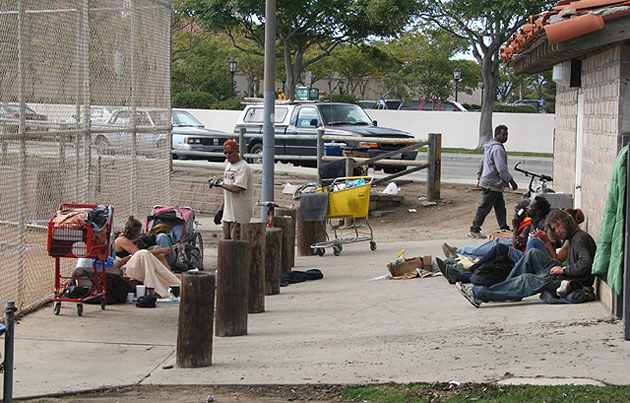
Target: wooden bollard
232	288
288	241
290	212
255	234
273	260
194	325
309	233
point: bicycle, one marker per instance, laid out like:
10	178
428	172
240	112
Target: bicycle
541	179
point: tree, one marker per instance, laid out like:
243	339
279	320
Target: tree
486	25
422	66
302	26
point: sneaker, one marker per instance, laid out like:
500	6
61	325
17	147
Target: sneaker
467	292
441	265
449	251
476	235
452	274
566	286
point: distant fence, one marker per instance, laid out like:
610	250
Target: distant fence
70	55
531	132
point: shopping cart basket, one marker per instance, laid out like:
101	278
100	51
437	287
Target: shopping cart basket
348	198
80	231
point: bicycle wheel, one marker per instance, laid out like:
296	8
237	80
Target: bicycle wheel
198	242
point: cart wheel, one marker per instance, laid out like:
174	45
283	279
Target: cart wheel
80	309
372	245
337	250
198	242
320	251
56	307
103	302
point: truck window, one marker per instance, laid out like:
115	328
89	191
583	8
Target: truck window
256	114
305	117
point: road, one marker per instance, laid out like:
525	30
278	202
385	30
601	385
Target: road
456	168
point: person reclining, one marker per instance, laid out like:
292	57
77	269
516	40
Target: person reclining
537	271
537	210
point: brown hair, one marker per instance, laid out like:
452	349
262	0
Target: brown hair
133	227
564	218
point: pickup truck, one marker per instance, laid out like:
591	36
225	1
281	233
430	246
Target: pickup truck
304	118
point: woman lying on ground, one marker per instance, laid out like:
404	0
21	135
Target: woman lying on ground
149	267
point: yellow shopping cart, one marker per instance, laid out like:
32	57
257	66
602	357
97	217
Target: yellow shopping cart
348	198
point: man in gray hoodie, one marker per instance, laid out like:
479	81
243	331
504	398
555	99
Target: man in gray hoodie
493	176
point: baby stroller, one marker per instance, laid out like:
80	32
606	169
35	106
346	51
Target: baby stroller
181	226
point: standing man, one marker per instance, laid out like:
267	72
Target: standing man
493	176
237	188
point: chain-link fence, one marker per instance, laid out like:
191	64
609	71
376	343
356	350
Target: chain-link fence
84	117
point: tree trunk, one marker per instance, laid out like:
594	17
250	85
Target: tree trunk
273	260
232	285
255	234
194	325
489	73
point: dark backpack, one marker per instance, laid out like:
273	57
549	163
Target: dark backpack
492	272
188	257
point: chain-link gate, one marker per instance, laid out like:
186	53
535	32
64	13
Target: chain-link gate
84	117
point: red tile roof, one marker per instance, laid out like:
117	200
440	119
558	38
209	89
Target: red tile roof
567	20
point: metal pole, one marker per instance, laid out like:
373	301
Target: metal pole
456	89
134	120
269	142
624	299
21	207
9	320
434	158
242	147
87	124
320	153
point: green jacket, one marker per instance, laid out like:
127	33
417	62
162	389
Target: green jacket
609	256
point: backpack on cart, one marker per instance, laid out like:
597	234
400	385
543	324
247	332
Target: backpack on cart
188	258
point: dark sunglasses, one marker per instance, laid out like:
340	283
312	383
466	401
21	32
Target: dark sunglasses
228	152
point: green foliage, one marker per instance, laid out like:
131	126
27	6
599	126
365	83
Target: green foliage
472	107
498	107
229	104
351	99
193	99
486	393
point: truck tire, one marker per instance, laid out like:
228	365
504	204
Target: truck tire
256	148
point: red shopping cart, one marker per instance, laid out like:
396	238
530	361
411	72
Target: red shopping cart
80	231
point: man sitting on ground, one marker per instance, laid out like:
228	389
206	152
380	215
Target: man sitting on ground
537	271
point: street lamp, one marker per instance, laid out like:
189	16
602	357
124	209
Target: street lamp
457	75
232	66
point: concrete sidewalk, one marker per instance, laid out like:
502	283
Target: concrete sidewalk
346	328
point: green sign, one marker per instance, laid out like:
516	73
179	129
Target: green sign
306	94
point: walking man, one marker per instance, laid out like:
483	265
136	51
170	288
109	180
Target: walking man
493	176
237	188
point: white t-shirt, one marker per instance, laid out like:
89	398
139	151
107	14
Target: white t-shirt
238	206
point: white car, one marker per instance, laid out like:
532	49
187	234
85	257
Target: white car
190	135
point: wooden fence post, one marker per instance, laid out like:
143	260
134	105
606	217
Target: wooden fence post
290	212
255	234
308	233
232	288
434	170
273	260
288	241
194	325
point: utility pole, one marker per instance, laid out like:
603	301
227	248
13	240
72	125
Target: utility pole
269	141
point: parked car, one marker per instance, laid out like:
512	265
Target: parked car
534	103
98	114
188	133
304	118
119	142
191	135
391	104
367	103
428	105
9	119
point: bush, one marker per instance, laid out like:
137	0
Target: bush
341	98
193	99
498	107
472	107
228	104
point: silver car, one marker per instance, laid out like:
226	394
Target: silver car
190	135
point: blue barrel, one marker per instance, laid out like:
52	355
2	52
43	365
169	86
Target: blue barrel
333	149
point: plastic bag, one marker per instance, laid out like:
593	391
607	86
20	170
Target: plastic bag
391	189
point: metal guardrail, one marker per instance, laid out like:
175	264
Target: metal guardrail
433	165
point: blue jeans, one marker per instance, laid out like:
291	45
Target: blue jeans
478	251
163	240
530	276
